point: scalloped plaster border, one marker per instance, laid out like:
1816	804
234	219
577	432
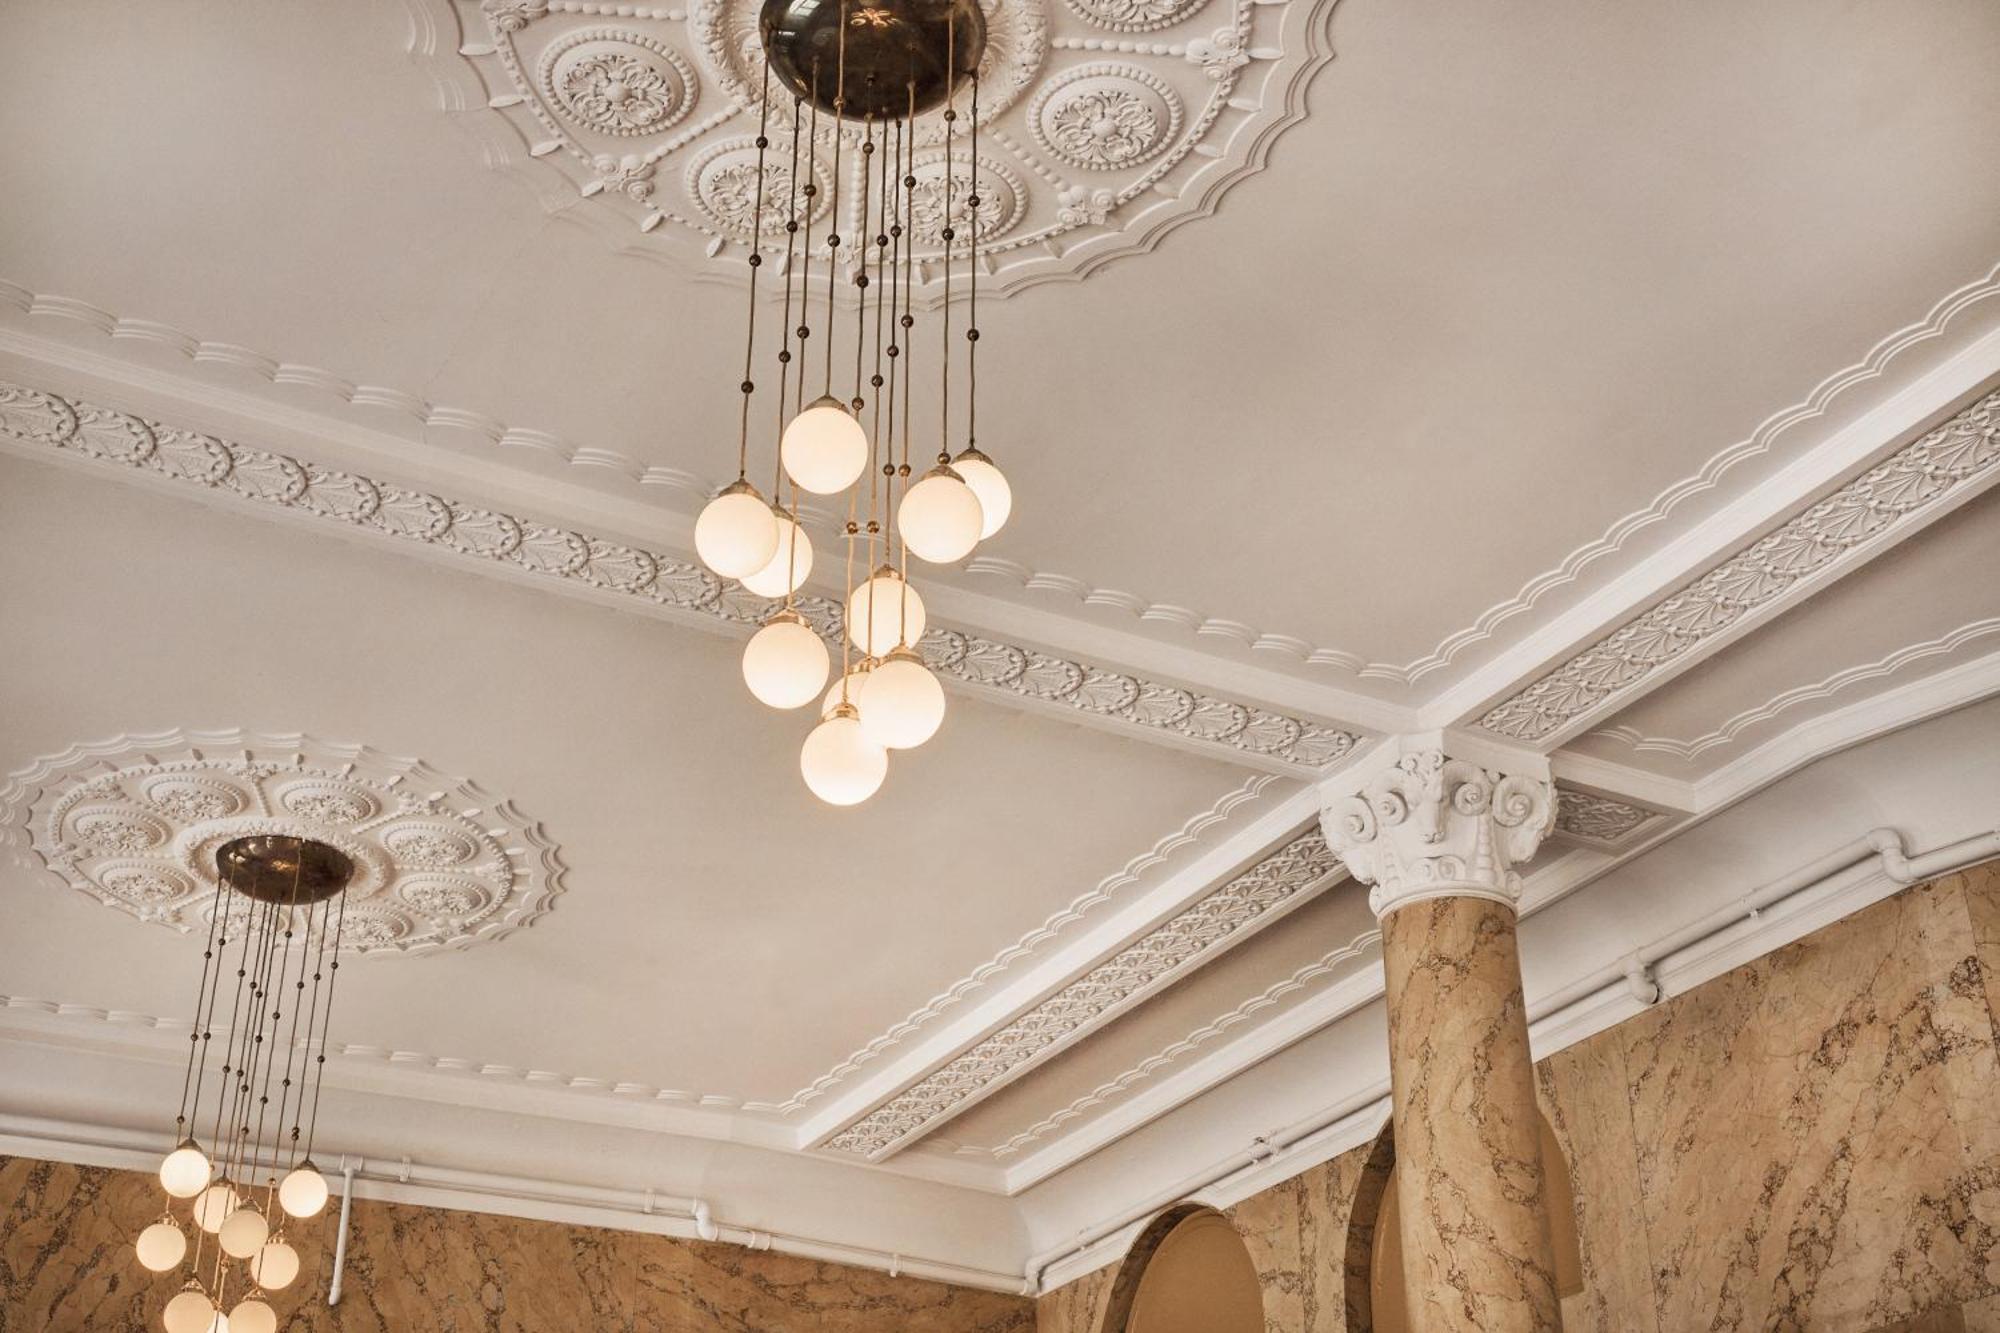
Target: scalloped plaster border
1728	731
1189	834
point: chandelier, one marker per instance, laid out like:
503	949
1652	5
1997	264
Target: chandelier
860	73
243	1176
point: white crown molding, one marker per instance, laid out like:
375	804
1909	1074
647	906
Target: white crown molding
1114	931
132	822
1191	834
48	425
568	1202
1710	475
1175	1051
362	446
1779	704
415	1075
1221	919
1680	807
1242	73
1918	484
291	374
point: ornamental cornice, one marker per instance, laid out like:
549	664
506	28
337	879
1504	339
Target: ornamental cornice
100	436
1433	826
1940	468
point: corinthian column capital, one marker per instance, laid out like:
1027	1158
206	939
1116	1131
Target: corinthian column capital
1429	825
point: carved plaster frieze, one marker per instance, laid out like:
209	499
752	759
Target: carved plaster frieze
1104	123
1933	470
1210	925
1430	826
135	822
88	432
1187	835
1604	820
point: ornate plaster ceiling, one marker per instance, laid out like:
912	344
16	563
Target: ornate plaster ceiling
1105	124
1582	385
135	822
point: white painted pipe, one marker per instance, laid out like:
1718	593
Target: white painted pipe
340	1242
1884	844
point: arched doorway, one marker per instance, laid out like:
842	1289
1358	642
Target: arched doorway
1189	1272
1375	1298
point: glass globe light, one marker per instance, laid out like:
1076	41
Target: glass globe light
161	1246
853	680
185	1171
902	704
302	1192
824	448
243	1233
736	534
274	1266
190	1312
213	1206
841	766
253	1316
785	663
789	564
996	497
884	612
939	518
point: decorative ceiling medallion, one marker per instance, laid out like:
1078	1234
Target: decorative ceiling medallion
135	823
617	82
1111	121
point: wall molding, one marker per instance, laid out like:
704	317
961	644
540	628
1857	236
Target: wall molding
1880	669
1942	469
574	1203
882	1125
1189	834
1172	1053
44	424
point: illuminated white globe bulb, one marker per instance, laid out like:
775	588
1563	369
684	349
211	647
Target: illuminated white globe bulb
902	704
854	679
213	1206
253	1316
161	1246
789	564
189	1312
243	1233
841	766
302	1193
736	534
996	497
939	518
884	612
274	1266
785	663
824	448
185	1171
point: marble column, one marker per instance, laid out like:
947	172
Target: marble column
1437	839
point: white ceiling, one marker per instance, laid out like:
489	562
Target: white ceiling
1539	315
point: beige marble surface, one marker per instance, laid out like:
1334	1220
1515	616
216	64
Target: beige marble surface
1809	1142
66	1266
1476	1248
